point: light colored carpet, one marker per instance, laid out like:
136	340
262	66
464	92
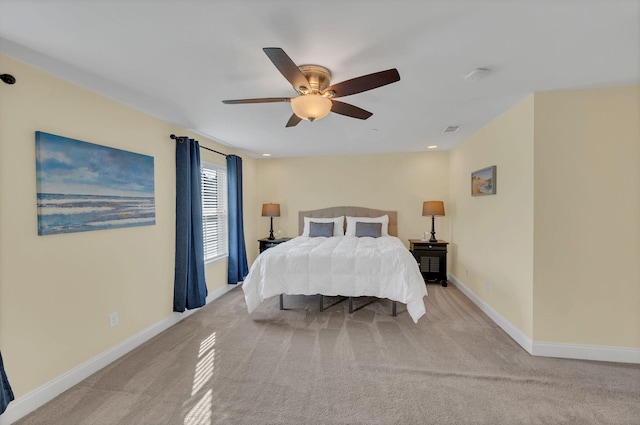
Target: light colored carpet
223	366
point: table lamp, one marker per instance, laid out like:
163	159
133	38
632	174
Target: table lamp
433	208
271	210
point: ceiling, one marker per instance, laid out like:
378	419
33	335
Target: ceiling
177	60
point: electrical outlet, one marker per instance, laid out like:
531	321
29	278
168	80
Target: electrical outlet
113	319
487	285
466	272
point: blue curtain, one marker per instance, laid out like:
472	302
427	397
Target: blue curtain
6	394
190	288
238	267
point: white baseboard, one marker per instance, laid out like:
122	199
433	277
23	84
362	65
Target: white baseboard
518	336
29	402
552	349
601	353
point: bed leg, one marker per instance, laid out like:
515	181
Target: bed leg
281	301
321	303
393	308
350	305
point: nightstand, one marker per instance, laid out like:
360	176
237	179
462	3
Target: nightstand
270	243
431	258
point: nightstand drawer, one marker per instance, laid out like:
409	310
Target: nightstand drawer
270	243
430	248
420	245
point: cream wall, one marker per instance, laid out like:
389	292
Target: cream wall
587	217
386	181
492	235
252	202
57	291
560	241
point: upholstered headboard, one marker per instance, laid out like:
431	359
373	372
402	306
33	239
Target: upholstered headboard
350	211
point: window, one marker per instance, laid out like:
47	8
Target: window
214	210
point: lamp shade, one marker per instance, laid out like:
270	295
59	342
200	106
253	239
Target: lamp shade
311	107
431	208
271	210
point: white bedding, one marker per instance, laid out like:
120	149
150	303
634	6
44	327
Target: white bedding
345	265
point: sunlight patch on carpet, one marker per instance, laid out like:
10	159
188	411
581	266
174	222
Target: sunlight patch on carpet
201	414
204	368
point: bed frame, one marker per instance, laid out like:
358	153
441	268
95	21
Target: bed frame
352	212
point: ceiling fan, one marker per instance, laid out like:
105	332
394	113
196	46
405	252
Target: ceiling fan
315	94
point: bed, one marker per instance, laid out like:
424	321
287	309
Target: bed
348	266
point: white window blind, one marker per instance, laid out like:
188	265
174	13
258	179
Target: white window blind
214	210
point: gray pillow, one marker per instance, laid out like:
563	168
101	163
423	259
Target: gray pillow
373	230
320	229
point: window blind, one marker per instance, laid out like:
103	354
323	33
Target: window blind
214	210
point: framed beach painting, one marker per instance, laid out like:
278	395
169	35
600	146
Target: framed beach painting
82	186
483	182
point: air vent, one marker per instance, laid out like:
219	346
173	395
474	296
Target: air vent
452	129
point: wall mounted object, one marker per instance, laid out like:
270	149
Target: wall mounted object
82	186
483	182
8	78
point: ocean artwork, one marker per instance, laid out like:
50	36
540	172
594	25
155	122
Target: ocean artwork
483	182
83	186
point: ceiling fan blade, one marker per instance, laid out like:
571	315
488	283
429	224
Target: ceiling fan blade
259	100
349	110
287	67
293	121
364	83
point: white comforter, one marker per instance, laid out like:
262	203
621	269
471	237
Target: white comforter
343	265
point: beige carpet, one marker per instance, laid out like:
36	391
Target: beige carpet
222	366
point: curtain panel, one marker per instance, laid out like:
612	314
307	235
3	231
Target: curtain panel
237	261
6	393
190	287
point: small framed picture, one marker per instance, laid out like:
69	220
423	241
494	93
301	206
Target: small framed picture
483	182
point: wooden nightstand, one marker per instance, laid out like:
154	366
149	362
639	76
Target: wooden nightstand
270	243
431	258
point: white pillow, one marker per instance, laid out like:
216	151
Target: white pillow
351	224
338	224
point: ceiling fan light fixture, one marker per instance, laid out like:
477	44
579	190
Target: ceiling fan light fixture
311	107
313	84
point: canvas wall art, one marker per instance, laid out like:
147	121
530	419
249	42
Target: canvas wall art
483	182
82	186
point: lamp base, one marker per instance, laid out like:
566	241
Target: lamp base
433	230
271	237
